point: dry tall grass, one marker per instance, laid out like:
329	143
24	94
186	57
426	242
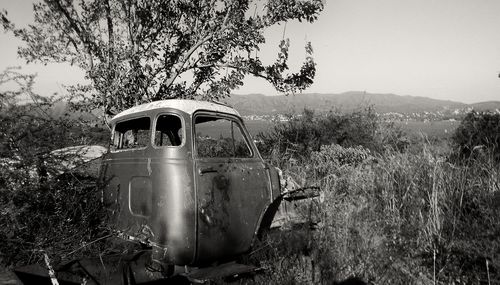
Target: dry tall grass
391	218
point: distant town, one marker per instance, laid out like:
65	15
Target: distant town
443	115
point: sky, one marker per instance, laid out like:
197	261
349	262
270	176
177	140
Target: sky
442	49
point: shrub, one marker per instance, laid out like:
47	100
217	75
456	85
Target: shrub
350	129
40	208
56	216
295	138
306	133
478	134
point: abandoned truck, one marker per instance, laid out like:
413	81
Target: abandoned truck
184	178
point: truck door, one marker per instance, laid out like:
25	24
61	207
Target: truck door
232	186
127	184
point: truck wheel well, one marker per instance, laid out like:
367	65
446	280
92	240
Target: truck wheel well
268	217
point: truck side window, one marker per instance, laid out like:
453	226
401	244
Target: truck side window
168	131
220	137
131	134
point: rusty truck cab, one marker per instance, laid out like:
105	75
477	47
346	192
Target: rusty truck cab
185	177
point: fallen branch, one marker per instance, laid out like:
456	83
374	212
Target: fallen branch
52	273
87	244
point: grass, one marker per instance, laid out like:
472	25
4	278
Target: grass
392	218
435	129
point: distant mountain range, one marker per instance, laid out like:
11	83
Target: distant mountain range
258	104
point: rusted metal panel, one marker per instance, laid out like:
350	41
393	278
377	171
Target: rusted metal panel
233	190
231	200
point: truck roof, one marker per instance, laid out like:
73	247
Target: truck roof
188	106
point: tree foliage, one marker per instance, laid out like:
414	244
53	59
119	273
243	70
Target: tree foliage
24	119
136	51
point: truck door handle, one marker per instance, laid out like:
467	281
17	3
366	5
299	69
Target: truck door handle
202	171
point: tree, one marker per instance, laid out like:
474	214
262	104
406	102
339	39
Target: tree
136	51
23	116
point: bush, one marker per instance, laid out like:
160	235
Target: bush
306	133
295	138
332	157
40	208
477	135
56	216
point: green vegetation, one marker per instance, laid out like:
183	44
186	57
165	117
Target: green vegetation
389	215
40	208
432	129
478	135
302	135
56	216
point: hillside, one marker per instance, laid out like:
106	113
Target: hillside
258	104
486	106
